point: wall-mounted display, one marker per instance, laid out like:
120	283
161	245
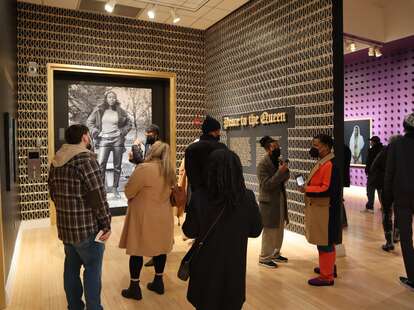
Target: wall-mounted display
356	135
116	117
245	131
117	106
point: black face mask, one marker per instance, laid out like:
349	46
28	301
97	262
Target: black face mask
150	140
275	154
313	152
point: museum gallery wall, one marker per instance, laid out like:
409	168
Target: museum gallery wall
274	56
380	91
8	89
53	35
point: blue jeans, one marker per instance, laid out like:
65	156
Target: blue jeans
89	254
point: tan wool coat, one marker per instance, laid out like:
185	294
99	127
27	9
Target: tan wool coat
149	222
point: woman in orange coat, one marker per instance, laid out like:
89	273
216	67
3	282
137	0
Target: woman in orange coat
323	209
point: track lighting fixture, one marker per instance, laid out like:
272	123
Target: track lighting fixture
378	52
110	5
352	47
371	51
151	13
175	18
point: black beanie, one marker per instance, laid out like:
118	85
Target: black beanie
210	124
265	141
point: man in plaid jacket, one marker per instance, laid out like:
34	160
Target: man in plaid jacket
76	187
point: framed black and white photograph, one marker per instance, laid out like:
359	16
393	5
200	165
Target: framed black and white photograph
117	105
116	117
357	134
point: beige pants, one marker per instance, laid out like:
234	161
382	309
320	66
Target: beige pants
272	239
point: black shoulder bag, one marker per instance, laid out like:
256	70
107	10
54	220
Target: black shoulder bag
184	270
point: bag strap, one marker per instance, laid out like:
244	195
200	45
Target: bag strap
200	244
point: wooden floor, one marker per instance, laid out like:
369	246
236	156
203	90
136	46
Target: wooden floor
368	277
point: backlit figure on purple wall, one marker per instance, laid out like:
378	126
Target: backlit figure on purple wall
356	144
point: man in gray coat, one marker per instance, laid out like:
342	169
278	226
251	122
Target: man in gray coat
272	175
398	189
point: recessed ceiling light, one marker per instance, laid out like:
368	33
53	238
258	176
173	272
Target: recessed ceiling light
175	17
378	52
110	5
371	51
151	13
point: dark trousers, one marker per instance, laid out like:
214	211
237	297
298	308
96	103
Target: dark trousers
136	262
371	196
405	224
88	254
104	151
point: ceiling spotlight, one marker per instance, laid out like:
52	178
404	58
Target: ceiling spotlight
151	13
378	52
371	51
110	5
352	47
175	17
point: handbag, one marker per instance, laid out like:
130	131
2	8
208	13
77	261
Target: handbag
184	269
178	197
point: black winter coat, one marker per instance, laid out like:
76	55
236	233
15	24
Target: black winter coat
218	272
347	166
372	153
377	172
399	172
196	161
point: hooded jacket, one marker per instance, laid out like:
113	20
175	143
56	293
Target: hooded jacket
76	187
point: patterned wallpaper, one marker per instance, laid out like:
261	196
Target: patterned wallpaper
53	35
273	54
381	89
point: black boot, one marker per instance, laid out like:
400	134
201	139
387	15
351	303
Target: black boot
133	291
388	246
396	235
157	285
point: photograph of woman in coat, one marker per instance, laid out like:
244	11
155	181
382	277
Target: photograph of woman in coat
149	222
218	271
109	124
323	201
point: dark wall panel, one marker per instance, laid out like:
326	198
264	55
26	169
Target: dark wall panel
9	206
53	35
277	54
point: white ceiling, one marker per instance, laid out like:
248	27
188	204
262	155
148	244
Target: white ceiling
199	14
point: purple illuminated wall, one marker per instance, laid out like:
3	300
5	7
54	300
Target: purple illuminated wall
381	89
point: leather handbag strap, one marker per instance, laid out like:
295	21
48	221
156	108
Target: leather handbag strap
201	243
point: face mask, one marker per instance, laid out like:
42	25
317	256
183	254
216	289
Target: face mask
150	140
313	152
276	153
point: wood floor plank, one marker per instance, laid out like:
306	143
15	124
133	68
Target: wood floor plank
368	277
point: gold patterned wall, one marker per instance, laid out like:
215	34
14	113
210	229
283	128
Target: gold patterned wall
275	54
53	35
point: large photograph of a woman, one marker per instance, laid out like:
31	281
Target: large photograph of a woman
357	135
115	116
109	124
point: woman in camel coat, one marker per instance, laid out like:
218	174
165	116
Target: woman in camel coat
149	223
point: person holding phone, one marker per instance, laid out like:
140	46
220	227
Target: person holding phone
323	199
272	174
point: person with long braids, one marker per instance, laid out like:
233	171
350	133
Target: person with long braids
218	270
109	124
149	222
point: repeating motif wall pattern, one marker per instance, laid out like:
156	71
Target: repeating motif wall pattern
274	54
53	35
383	90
